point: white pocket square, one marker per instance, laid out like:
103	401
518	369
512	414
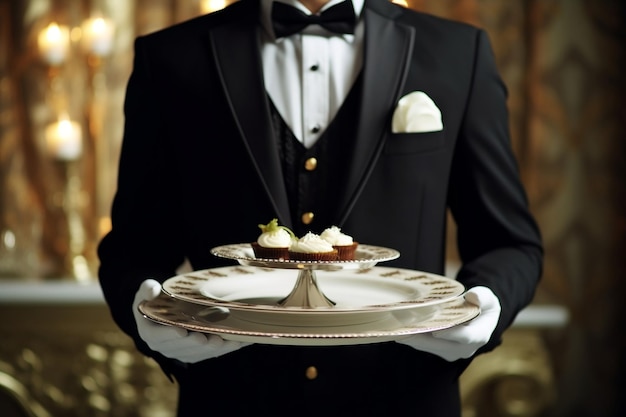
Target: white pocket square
416	112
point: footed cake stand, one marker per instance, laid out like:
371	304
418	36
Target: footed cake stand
306	293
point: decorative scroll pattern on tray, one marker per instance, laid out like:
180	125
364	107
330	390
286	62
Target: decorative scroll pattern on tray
259	289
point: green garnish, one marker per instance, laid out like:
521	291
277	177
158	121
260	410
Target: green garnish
274	227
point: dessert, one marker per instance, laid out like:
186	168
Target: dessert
273	242
312	247
345	245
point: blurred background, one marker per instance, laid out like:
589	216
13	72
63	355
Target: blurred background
64	65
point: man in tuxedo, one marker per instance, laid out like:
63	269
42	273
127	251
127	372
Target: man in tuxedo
371	117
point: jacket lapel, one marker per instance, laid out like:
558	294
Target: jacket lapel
387	50
247	98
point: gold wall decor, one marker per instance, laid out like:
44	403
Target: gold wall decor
21	211
52	74
65	64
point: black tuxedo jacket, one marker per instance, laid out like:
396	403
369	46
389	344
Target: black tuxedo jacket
199	168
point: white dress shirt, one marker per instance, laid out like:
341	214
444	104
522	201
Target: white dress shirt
308	75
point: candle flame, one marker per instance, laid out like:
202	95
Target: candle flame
65	127
53	42
97	35
53	32
64	138
99	25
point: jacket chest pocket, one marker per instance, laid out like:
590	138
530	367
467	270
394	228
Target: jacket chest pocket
407	143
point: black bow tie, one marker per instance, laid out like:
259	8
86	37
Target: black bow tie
288	20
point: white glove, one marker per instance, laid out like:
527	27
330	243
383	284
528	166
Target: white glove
464	340
175	342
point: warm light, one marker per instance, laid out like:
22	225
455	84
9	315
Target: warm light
54	43
208	6
104	225
401	2
97	34
64	139
76	33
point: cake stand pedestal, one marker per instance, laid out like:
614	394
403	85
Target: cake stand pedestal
306	293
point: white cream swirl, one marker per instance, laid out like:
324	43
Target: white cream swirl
311	243
275	239
335	237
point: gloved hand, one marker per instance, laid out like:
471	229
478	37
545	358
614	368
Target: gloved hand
464	340
175	342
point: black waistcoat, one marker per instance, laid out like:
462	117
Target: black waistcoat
317	190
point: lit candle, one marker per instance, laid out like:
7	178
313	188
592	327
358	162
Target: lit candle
98	36
208	6
64	139
54	43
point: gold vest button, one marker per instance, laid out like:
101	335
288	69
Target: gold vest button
307	217
311	372
310	164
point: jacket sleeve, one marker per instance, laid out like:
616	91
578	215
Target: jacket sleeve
498	240
144	213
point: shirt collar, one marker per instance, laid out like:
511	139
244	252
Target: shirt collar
266	10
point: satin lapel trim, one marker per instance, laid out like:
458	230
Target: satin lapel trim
388	47
241	74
